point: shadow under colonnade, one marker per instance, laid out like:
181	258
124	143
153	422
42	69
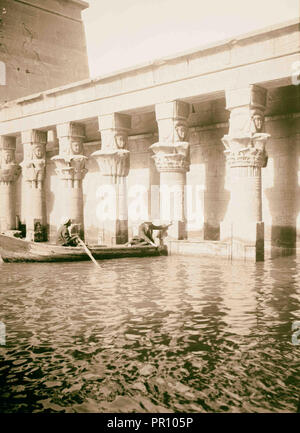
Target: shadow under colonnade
281	206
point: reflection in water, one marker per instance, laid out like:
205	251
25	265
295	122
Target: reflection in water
150	335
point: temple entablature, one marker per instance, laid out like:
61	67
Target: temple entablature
194	73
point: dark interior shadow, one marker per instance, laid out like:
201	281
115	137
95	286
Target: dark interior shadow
49	196
90	200
210	120
216	198
283	197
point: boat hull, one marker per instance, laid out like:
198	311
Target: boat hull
19	250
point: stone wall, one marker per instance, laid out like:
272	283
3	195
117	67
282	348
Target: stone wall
42	45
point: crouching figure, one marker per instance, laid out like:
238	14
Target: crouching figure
63	235
145	234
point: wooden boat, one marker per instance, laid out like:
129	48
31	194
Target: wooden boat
18	250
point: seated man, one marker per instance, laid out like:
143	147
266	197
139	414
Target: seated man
145	235
63	235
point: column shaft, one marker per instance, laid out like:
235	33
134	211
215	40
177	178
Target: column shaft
70	167
245	149
114	163
172	202
246	192
9	172
7	208
171	156
34	165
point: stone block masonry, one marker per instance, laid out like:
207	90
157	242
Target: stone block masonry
42	45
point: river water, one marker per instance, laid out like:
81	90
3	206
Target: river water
161	334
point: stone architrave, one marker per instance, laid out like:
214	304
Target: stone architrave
246	156
9	172
172	160
114	162
33	170
71	169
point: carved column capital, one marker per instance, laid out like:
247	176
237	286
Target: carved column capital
171	156
246	140
34	163
9	169
70	136
171	153
72	168
172	118
114	163
246	151
70	162
114	158
114	130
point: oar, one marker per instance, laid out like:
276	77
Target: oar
88	252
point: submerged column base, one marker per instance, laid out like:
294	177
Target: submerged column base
177	230
246	239
113	232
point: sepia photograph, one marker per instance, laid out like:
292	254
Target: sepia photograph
149	209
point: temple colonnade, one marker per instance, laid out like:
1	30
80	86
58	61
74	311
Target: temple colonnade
244	147
223	144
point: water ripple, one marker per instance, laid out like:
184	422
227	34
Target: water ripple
163	334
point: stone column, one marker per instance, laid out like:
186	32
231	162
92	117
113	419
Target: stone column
114	162
171	156
246	155
70	167
9	172
34	163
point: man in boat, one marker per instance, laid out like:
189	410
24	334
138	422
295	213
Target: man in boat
63	235
145	234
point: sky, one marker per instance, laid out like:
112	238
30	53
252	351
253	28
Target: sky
125	33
